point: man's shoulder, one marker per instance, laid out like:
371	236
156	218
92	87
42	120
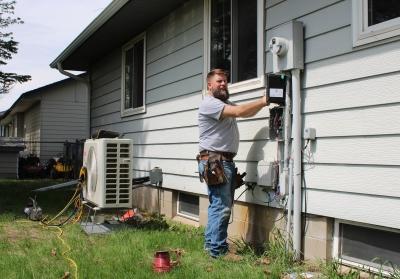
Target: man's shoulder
210	101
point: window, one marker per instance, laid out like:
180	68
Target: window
367	246
235	35
133	77
188	206
375	20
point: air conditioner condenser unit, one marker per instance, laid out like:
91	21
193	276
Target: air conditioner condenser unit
109	172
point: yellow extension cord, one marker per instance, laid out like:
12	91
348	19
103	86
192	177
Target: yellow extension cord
77	202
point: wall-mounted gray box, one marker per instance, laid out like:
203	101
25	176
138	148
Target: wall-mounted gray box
292	33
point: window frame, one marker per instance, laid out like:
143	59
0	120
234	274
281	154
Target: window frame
364	34
183	214
246	85
127	46
337	243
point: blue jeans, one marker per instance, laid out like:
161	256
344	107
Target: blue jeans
219	211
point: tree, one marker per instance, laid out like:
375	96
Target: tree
8	46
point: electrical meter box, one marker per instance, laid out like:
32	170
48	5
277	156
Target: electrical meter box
285	44
276	88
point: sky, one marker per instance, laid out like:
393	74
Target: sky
49	27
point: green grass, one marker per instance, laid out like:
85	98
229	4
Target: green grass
30	250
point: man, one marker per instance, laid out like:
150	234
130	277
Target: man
218	145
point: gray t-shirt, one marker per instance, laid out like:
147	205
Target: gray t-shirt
217	134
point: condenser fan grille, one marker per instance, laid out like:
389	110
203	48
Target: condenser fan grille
117	173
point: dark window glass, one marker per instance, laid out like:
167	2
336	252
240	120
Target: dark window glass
188	205
380	11
221	34
246	66
367	245
234	38
134	76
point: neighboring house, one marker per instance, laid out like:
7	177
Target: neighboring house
9	152
48	116
147	62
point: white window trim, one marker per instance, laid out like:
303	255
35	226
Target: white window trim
336	244
183	214
364	34
142	109
245	85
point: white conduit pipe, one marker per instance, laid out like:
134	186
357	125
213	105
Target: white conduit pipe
288	136
287	173
296	132
289	208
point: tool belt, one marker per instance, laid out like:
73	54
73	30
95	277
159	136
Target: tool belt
223	156
214	170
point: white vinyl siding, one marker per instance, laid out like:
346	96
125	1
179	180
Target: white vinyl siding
349	95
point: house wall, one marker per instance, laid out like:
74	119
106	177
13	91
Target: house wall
32	129
64	117
9	165
167	134
349	95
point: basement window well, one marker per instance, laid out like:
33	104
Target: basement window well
371	246
188	206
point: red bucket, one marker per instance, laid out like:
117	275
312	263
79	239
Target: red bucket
161	261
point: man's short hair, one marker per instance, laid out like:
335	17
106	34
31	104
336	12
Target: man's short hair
217	72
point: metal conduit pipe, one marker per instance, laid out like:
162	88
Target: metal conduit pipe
296	132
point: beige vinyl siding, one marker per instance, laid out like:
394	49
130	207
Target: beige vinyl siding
64	111
32	129
349	95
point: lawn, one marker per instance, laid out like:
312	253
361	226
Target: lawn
29	249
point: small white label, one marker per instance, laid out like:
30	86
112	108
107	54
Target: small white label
276	92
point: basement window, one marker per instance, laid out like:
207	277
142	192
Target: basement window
362	246
375	20
188	206
133	77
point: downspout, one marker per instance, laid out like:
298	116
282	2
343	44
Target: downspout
86	81
296	132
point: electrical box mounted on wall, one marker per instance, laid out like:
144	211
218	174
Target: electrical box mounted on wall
276	88
285	43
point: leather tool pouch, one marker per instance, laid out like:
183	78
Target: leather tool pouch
213	170
214	173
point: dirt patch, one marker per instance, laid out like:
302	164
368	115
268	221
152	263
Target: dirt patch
14	233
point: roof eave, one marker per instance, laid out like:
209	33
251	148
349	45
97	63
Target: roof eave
102	18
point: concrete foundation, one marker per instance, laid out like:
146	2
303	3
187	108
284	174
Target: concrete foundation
250	222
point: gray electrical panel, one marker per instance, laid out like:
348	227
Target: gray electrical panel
285	43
